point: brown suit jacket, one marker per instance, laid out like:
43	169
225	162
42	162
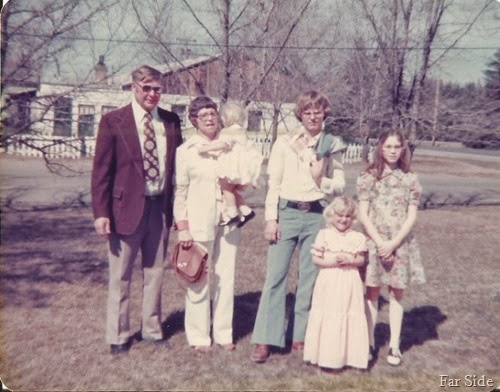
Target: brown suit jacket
118	181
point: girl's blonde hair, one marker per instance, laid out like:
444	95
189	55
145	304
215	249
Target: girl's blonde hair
233	113
341	204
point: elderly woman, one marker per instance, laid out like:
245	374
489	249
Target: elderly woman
197	213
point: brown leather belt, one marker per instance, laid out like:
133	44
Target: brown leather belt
155	197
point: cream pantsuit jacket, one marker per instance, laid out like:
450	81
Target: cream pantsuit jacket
198	201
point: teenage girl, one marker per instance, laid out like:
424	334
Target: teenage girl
389	194
337	332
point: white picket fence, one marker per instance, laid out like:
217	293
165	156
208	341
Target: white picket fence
74	147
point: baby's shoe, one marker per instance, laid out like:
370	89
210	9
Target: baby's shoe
245	218
229	220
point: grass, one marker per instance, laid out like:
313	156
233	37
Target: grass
54	282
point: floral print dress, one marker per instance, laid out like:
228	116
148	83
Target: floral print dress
389	199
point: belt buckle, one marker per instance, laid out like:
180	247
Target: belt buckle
153	198
304	206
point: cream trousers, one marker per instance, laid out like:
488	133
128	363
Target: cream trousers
218	288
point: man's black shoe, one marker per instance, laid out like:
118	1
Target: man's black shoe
157	342
119	348
162	343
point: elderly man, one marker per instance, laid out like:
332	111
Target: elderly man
132	202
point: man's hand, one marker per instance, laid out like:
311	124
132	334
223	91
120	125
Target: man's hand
102	226
272	232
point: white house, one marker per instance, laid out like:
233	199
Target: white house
64	110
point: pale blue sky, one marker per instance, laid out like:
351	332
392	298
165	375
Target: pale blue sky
461	66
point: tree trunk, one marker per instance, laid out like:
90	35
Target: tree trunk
436	112
274	123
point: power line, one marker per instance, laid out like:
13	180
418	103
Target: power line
255	46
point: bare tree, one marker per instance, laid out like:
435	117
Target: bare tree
46	37
251	39
35	35
404	33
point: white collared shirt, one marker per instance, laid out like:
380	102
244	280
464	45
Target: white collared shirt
290	177
156	187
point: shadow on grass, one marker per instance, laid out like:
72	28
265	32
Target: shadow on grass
420	324
173	324
245	310
42	249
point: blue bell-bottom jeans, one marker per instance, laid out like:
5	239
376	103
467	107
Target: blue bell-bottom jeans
297	228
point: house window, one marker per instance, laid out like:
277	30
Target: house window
254	120
62	116
86	117
180	110
19	113
24	114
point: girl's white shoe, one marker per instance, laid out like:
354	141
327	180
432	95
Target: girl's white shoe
394	357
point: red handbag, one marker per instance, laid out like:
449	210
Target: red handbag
189	264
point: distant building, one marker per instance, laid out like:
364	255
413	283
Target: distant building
66	110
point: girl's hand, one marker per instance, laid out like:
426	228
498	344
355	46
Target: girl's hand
318	251
331	258
344	258
386	248
227	146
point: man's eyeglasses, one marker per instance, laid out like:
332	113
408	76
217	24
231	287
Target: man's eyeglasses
147	88
315	113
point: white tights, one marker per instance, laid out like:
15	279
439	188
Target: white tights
395	321
396	311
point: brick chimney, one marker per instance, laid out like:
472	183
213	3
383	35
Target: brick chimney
101	71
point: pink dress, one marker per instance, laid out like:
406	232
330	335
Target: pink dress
337	331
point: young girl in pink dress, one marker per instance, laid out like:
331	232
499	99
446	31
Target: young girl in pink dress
389	195
337	332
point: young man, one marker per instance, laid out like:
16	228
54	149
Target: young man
299	181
